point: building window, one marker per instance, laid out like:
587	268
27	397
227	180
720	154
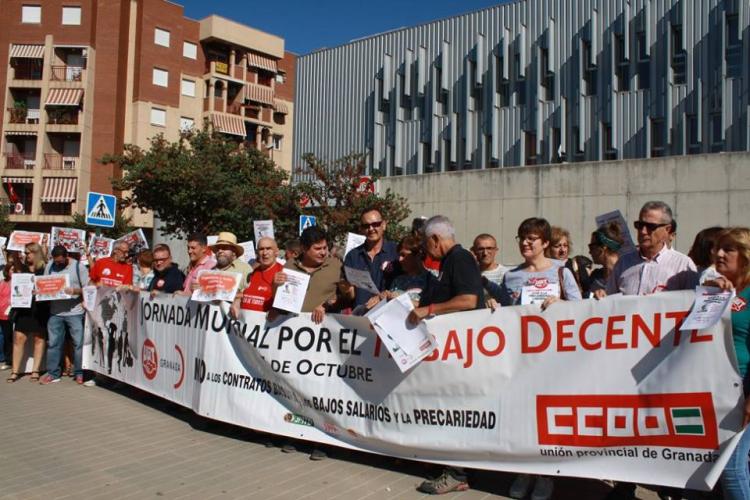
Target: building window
678	56
717	129
547	76
733	46
610	153
589	70
521	93
189	50
71	16
504	94
186	123
158	117
579	152
277	142
657	138
160	77
31	14
694	144
622	66
530	148
161	37
188	88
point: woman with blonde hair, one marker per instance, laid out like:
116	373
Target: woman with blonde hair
731	256
31	321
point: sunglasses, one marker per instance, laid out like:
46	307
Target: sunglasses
371	225
649	226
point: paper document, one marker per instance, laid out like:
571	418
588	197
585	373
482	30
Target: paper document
291	295
710	303
99	247
74	240
536	294
216	285
406	342
19	239
89	297
353	240
361	279
262	229
52	287
248	255
616	216
21	290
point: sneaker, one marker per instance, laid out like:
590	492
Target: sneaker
521	486
90	383
4	366
49	379
79	379
543	488
318	455
288	448
446	483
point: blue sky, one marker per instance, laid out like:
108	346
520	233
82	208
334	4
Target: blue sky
310	25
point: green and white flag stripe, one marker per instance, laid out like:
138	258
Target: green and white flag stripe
688	421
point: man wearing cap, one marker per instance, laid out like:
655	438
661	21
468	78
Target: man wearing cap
200	258
228	254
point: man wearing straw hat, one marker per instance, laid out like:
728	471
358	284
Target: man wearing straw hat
228	254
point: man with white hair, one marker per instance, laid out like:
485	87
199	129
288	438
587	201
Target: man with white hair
655	266
458	287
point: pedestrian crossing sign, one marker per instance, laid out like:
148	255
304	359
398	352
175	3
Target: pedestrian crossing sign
306	221
100	209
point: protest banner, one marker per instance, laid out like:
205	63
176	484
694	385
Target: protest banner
100	246
599	389
136	240
74	240
19	239
51	287
216	285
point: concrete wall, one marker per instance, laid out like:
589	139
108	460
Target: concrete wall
702	190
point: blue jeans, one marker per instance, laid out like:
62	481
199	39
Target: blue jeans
735	480
56	339
6	331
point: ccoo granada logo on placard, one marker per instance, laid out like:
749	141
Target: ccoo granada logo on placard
149	359
686	420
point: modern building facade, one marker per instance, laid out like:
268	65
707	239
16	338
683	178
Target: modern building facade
533	82
81	79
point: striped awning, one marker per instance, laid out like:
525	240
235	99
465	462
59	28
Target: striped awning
59	189
259	93
18	180
64	97
280	107
262	62
20	132
228	124
27	51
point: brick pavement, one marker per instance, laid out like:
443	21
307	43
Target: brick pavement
114	441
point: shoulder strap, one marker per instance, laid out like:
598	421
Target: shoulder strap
561	281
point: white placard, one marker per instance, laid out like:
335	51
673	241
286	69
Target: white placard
248	255
74	240
263	229
216	285
19	239
89	297
616	216
534	294
291	295
361	279
136	240
99	247
353	240
52	287
21	290
710	303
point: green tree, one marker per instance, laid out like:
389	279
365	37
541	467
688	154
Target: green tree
338	194
208	183
6	226
122	225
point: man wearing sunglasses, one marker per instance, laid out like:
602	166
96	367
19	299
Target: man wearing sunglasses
376	255
655	266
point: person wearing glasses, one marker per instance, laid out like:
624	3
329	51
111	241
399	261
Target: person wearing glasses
30	322
376	255
167	275
655	266
113	271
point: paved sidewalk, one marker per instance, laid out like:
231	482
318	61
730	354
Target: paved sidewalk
114	441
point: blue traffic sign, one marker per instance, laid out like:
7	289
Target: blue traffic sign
100	209
306	221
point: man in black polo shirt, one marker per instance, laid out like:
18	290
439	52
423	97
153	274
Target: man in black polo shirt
167	276
458	287
376	255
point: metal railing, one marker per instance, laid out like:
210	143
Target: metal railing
24	115
54	161
67	73
62	117
21	161
28	70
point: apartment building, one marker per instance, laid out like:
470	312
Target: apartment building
530	82
81	79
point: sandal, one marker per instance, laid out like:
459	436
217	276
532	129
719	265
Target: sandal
34	377
12	378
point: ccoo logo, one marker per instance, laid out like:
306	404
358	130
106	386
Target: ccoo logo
149	359
685	420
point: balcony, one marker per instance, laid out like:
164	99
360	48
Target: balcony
27	69
54	161
23	115
20	161
62	117
234	108
66	73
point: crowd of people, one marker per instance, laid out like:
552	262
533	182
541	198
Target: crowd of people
428	264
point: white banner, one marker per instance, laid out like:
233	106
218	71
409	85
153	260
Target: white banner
605	389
